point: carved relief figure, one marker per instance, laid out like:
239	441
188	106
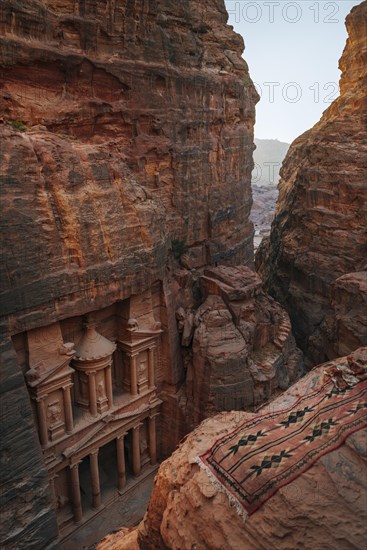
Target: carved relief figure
100	390
54	411
143	364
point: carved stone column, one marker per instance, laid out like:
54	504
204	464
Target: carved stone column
92	393
109	385
69	423
133	375
75	492
152	440
94	472
42	420
151	381
136	450
121	468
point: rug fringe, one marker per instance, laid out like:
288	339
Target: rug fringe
232	499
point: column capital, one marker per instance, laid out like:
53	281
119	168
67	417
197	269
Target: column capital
89	372
74	464
121	436
95	452
40	398
137	426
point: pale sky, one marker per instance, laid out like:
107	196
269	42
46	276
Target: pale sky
292	49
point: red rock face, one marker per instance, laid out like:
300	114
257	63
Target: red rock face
319	231
130	110
346	323
126	125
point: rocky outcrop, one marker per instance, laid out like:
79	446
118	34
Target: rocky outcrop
324	507
126	136
319	231
346	324
123	539
242	351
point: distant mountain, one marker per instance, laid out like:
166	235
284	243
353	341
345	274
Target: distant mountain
268	157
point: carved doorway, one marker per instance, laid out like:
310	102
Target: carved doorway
85	484
108	470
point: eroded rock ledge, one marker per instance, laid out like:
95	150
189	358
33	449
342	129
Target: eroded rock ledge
325	507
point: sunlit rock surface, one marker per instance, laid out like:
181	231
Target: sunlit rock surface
325	507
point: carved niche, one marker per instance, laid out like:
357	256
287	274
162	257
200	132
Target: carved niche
49	379
138	357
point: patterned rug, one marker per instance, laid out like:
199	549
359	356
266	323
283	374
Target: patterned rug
271	450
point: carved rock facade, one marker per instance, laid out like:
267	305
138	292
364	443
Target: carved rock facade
138	133
95	405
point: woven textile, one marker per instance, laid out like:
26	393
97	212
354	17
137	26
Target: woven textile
270	450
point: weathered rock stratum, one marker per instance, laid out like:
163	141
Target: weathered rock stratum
139	126
325	507
314	263
126	131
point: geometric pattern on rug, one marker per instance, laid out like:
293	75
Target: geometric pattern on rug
271	450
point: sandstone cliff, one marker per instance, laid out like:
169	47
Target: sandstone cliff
325	507
319	234
241	349
140	129
125	126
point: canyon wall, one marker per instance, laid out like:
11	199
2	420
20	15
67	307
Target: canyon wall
314	263
126	140
139	129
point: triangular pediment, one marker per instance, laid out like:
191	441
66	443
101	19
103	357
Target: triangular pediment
104	423
140	336
99	429
45	372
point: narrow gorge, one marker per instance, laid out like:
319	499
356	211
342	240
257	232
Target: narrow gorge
315	261
135	329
